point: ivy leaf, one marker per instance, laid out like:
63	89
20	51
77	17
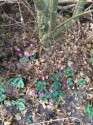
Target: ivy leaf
70	81
24	59
81	81
17	82
2	97
68	72
54	77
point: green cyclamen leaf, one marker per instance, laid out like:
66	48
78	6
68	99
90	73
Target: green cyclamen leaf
47	95
81	81
32	58
24	59
54	77
89	111
20	100
55	93
90	60
20	103
40	86
20	83
21	106
2	97
61	93
13	102
68	72
41	83
55	85
91	52
17	82
1	88
70	81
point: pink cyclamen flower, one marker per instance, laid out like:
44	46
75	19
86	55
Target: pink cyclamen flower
18	50
27	55
41	94
39	72
31	45
51	90
66	86
33	92
20	55
50	101
46	77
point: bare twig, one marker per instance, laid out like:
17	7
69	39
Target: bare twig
6	25
66	7
28	7
57	120
21	17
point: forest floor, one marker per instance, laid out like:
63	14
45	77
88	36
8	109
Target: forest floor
70	60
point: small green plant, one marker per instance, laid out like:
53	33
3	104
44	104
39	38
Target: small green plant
40	86
90	60
53	93
2	97
20	103
17	82
68	72
81	82
33	57
29	119
70	82
2	90
45	96
27	59
24	59
54	77
55	85
89	111
91	52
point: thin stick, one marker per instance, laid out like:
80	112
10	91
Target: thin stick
28	7
57	120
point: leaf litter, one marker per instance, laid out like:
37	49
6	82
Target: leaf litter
23	100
